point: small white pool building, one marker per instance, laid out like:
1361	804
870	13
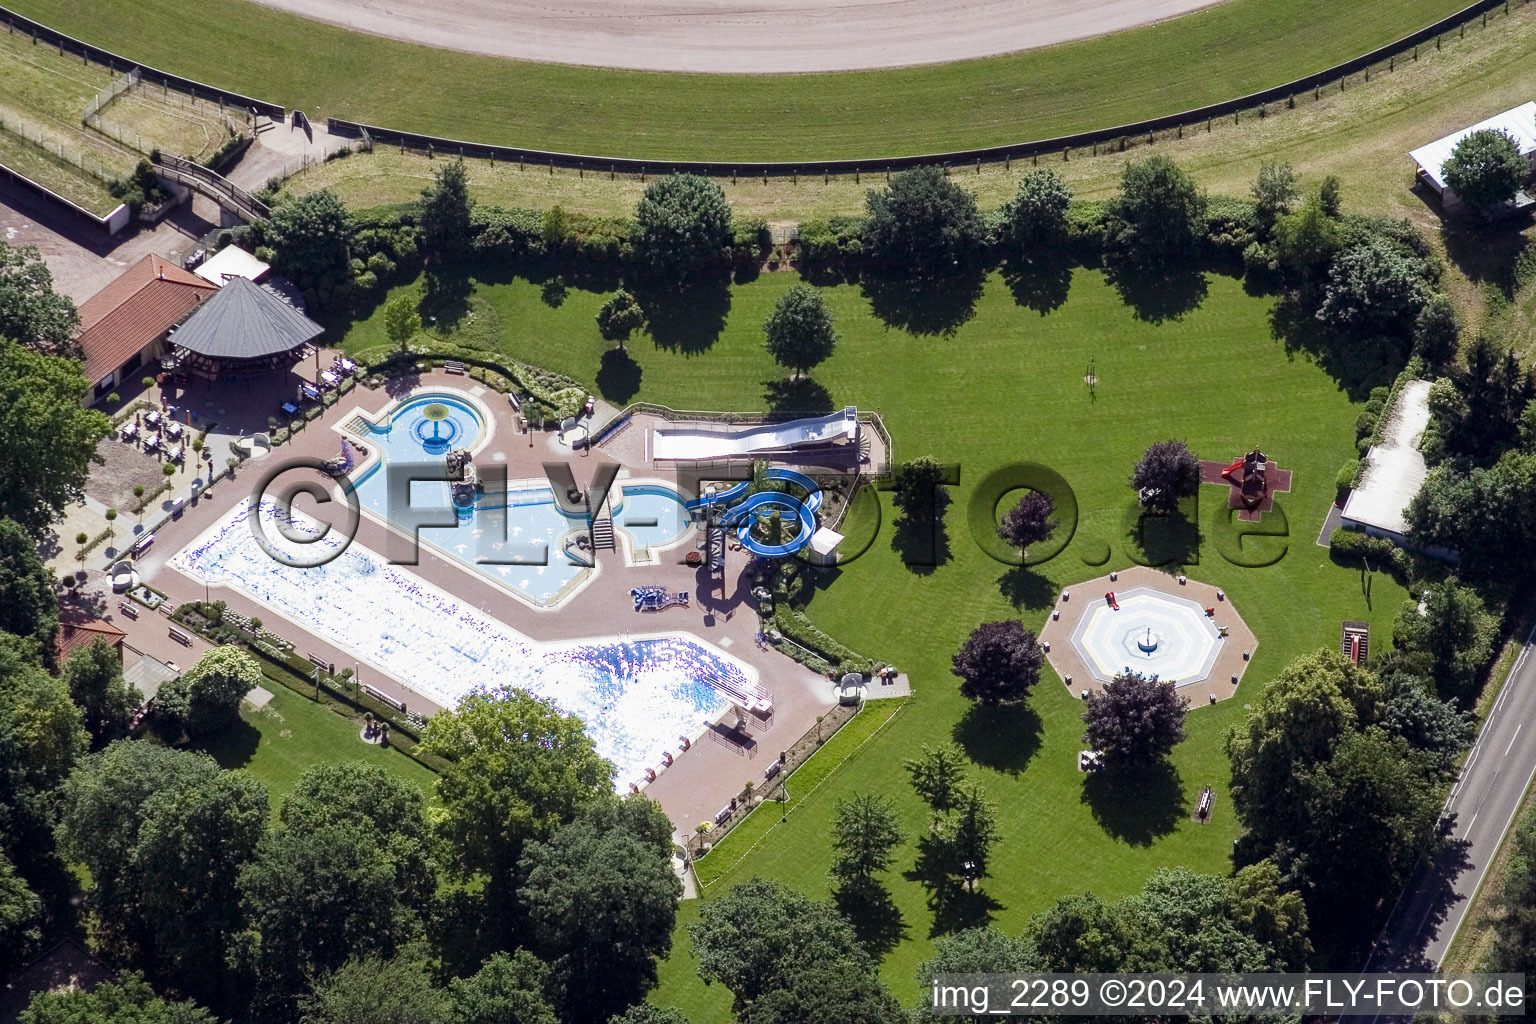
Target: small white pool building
1518	123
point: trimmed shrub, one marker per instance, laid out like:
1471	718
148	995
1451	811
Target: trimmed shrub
1349	475
1353	546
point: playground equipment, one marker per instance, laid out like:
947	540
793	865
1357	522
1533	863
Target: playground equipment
1249	472
654	599
1109	599
743	514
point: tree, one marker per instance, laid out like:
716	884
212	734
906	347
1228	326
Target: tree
445	213
401	321
82	538
682	228
21	916
1305	243
920	491
645	1013
1454	634
1373	288
972	951
213	689
1274	191
191	847
1436	331
1159	215
1330	196
800	331
127	1001
28	606
40	742
968	833
1486	169
1276	917
507	989
374	990
602	898
937	775
922	223
138	502
104	805
517	769
1298	720
864	835
31	312
312	238
1029	522
999	662
1413	711
40	412
1514	923
1168	471
1134	720
94	676
760	935
1036	216
335	882
620	317
823	992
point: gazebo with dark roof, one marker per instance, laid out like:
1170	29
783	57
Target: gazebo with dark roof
242	331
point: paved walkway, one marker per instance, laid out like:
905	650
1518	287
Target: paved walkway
702	779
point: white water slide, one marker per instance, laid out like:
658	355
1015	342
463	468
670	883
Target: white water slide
694	443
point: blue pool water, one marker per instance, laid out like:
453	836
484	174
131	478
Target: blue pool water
516	539
636	697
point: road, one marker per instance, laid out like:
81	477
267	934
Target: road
1480	809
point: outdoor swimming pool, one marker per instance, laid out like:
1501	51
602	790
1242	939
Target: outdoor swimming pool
516	538
636	696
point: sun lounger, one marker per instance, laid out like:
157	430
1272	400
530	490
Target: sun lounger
290	408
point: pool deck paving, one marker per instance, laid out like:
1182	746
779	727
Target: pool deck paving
1225	674
700	781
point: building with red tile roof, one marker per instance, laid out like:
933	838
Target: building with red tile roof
81	631
125	324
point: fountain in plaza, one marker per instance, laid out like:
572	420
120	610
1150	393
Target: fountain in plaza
1148	643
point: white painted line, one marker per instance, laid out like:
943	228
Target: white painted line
1469	824
1518	727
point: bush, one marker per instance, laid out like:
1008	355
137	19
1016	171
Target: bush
750	241
507	235
1349	475
1353	546
1365	424
834	244
1231	226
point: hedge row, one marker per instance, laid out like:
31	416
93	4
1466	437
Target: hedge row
1353	546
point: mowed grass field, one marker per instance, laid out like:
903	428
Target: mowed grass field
1229	49
1007	386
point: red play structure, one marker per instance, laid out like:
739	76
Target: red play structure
1249	474
1109	599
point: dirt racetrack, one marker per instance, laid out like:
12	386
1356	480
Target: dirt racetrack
740	36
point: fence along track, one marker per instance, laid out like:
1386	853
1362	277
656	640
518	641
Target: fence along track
598	163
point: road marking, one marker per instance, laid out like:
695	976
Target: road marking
1512	739
1469	824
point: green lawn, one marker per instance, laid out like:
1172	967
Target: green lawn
1229	49
1007	385
291	734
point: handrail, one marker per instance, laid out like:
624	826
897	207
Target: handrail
213	185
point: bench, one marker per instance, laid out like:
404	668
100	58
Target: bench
383	698
319	662
180	637
453	366
143	543
128	610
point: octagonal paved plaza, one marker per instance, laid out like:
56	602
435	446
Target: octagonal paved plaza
1159	628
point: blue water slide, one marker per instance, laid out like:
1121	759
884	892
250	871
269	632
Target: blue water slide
719	497
811	488
744	515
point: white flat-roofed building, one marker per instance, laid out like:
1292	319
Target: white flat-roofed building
1518	123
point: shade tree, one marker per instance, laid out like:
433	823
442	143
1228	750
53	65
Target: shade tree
1036	216
1486	168
800	332
1029	521
998	663
601	896
1166	472
937	775
206	698
128	1000
681	228
28	605
311	237
94	675
1135	720
620	317
508	988
41	411
922	224
31	312
1159	216
865	833
444	212
1274	192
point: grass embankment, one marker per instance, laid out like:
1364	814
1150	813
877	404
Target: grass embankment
1007	385
278	742
1241	45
